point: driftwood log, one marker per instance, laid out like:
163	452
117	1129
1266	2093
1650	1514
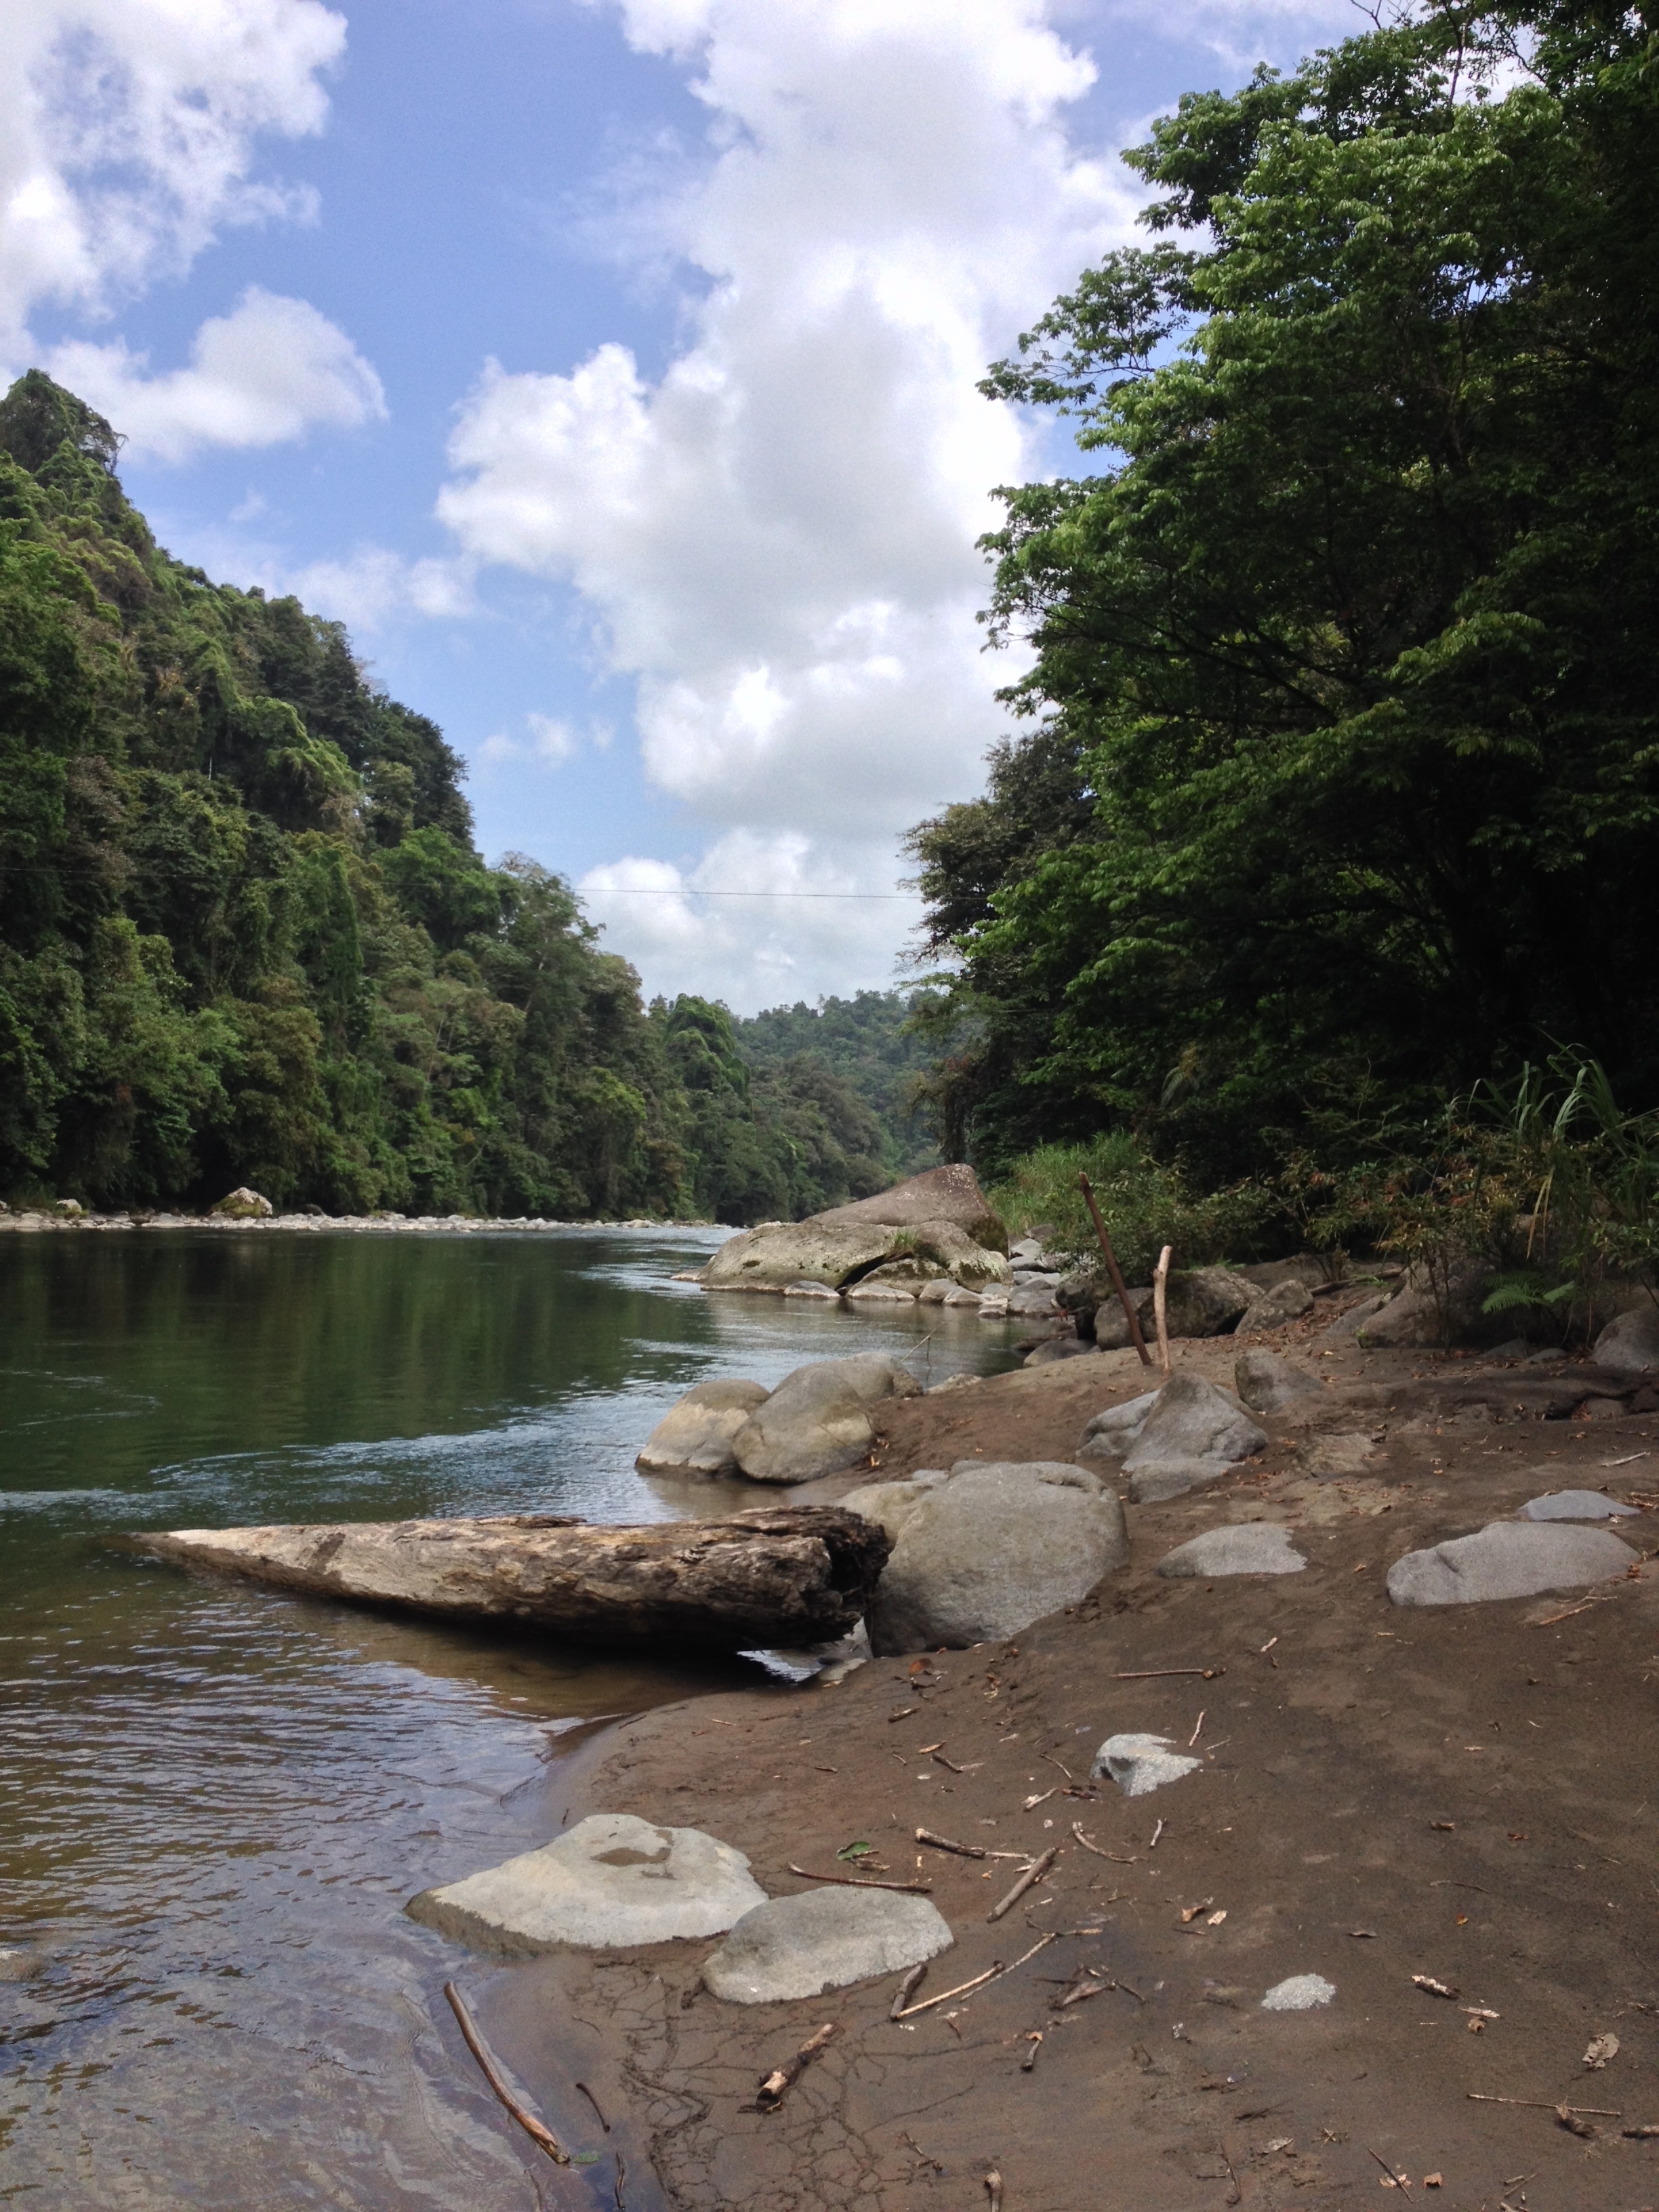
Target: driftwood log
779	1574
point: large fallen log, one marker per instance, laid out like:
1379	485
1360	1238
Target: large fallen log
778	1575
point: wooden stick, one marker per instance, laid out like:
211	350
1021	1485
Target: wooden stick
594	2101
906	1990
775	2086
993	2190
1541	2104
1034	1872
1160	1304
944	1844
1116	1272
991	1974
475	2042
1157	1674
864	1881
1399	2181
1116	1857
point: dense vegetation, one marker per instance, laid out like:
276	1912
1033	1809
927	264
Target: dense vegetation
1341	793
246	935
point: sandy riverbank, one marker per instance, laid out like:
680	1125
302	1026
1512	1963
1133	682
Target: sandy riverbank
25	1221
1468	1793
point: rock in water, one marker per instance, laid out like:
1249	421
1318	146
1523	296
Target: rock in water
612	1880
1508	1558
948	1194
1192	1435
1140	1763
695	1435
244	1205
787	1575
819	1418
1268	1384
990	1547
1114	1432
780	1254
1249	1547
1574	1505
798	1947
1629	1345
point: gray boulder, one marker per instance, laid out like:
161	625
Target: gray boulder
610	1880
890	1505
1111	1434
800	1947
819	1418
780	1253
695	1435
1268	1384
1249	1547
1508	1558
1206	1300
948	1194
1034	1297
1283	1302
1060	1347
872	1289
1307	1268
990	1547
1574	1505
803	1290
1356	1320
1141	1764
1112	1323
1192	1436
1629	1345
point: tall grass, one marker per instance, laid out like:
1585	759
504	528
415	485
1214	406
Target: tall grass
1144	1207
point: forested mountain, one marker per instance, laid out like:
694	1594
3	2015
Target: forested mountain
1342	790
246	935
880	1044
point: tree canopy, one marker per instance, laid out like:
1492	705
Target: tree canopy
1345	763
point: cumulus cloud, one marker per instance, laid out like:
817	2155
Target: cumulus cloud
548	742
264	375
776	538
373	587
128	130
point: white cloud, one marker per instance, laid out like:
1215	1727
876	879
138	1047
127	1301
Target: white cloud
776	538
127	136
262	375
550	743
372	588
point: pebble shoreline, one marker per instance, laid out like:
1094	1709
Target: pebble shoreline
381	1224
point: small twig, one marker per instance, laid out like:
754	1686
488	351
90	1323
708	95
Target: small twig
993	2190
944	1844
939	1759
992	1974
1235	2193
594	2101
1400	2180
1034	2037
1540	2105
1034	1872
906	1990
475	2042
621	2176
775	2086
1157	1674
1198	1730
1047	1761
1571	1611
1118	1859
863	1882
1156	1832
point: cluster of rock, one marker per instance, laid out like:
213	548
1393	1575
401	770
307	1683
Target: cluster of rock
243	1208
819	1420
933	1239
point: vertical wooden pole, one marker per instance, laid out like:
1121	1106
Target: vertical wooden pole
1160	1305
1115	1271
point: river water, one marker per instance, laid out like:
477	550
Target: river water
215	1800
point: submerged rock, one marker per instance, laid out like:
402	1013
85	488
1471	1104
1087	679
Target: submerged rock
1508	1558
1141	1764
1247	1547
613	1881
1192	1437
695	1435
800	1947
989	1547
819	1418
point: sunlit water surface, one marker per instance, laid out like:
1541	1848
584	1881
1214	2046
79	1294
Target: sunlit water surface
216	1800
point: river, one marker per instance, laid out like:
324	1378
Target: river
215	1800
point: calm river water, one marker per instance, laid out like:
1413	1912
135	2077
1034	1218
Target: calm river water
215	1800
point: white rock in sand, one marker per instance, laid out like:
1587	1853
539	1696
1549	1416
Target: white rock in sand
798	1947
612	1880
1299	1993
1139	1764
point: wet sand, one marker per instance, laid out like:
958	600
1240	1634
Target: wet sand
1468	1793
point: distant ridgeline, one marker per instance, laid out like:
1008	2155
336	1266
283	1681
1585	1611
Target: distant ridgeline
246	935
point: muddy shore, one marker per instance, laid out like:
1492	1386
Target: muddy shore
1468	1793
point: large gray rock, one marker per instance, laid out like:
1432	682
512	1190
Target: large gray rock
1282	1301
1192	1437
695	1435
1112	1323
948	1194
1206	1300
1305	1267
1028	1299
1248	1547
1574	1505
992	1546
1508	1558
800	1947
1268	1384
612	1880
779	1254
891	1504
1061	1347
819	1418
1110	1434
1629	1345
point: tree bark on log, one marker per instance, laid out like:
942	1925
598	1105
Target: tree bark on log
779	1574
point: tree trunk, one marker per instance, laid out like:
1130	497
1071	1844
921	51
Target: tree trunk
780	1575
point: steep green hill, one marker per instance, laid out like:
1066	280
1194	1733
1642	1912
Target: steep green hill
245	934
873	1042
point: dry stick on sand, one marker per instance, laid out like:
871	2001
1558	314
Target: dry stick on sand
965	1850
1118	1859
775	2086
864	1881
594	2101
1034	1872
1541	2104
992	1974
1116	1272
475	2042
1160	1304
1157	1674
993	2190
906	1990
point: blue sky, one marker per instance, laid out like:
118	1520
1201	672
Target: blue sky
608	369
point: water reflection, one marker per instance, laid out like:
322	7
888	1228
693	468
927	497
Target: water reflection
215	1800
